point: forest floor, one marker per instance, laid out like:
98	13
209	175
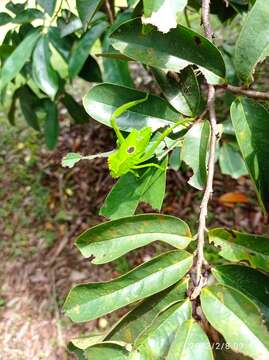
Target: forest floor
44	207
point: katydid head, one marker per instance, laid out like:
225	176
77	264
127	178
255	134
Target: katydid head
129	152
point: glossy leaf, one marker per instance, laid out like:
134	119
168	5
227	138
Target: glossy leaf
190	343
116	71
70	25
250	282
16	8
27	16
194	153
48	5
251	124
51	125
86	10
28	102
155	341
231	162
142	316
173	51
44	75
236	246
163	14
238	319
102	100
91	71
255	31
149	187
182	91
106	351
81	48
90	301
5	18
129	233
18	58
63	46
75	109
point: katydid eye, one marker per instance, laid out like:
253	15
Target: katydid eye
130	149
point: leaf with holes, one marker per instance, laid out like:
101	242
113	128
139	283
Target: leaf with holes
182	91
163	14
129	233
90	301
236	246
173	51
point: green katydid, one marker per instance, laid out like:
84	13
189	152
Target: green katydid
134	150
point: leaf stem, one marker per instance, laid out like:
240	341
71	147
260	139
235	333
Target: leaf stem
259	95
199	281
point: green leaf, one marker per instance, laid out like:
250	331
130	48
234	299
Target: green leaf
48	5
149	187
69	25
102	100
18	58
63	46
71	159
162	13
175	159
86	9
194	153
90	301
236	246
190	343
28	101
51	125
142	316
155	341
91	71
182	92
15	8
106	351
27	16
81	48
129	233
250	282
44	75
255	31
238	319
251	124
173	51
75	109
155	191
231	162
5	18
115	71
12	109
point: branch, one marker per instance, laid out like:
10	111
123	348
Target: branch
259	95
199	280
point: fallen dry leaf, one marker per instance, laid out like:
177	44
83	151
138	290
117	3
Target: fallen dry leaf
231	198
